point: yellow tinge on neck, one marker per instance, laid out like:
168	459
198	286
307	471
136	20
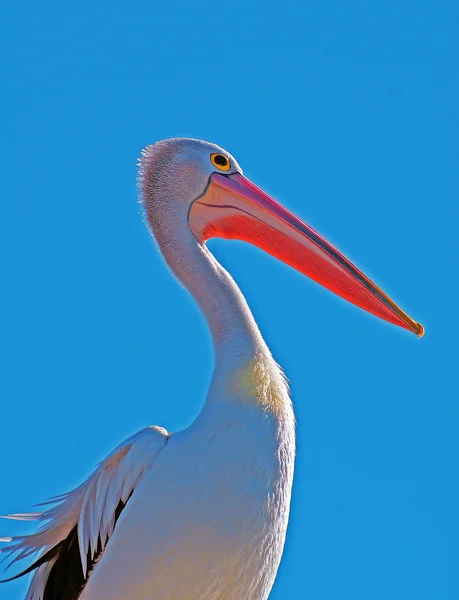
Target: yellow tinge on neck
262	382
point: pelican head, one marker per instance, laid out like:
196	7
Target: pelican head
191	186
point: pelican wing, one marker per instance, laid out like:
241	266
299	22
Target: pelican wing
76	528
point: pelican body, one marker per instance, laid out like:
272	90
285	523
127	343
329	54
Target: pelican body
200	514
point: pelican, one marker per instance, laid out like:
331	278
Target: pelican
199	514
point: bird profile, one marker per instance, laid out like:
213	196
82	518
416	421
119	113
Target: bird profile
200	513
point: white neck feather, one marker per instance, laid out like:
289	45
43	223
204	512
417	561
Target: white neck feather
244	367
234	331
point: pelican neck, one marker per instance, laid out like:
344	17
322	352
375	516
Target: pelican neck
234	331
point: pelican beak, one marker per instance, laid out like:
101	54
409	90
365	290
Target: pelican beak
232	207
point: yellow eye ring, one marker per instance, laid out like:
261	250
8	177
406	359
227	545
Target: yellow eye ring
220	161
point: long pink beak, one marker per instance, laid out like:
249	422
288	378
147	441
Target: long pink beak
232	207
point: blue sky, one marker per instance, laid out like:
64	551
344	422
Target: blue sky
345	113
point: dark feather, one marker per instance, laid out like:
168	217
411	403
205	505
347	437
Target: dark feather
66	579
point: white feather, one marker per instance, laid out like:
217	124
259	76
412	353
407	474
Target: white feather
38	583
91	507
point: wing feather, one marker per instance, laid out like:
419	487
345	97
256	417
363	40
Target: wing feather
91	510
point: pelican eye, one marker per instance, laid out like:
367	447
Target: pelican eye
220	161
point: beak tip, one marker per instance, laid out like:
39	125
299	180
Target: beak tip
419	330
